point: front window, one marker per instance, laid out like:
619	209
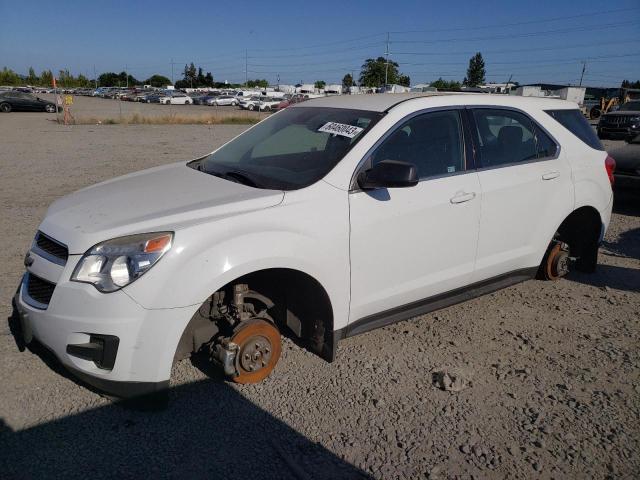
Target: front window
431	141
292	149
630	107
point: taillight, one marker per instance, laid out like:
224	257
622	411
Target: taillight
610	166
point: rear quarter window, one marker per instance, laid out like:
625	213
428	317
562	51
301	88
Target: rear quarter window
574	121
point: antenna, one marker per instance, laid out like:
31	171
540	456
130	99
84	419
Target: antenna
584	67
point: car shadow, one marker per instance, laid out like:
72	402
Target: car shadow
619	278
202	429
626	245
206	430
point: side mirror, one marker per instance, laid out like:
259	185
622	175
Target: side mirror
389	174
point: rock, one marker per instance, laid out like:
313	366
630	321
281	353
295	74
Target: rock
450	381
466	449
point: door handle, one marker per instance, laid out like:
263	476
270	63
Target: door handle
550	175
462	197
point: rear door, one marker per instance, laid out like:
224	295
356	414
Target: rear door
525	179
410	244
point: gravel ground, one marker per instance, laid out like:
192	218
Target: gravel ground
543	377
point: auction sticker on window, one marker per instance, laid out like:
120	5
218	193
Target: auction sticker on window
340	129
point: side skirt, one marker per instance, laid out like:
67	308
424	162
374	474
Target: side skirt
437	302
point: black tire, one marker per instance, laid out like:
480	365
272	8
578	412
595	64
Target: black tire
50	108
5	107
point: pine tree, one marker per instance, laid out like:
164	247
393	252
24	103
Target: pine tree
475	72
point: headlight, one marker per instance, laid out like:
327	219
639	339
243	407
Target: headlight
116	263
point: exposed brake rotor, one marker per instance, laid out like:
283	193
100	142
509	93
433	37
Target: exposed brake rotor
258	350
557	264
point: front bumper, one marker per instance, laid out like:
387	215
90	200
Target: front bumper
78	314
617	132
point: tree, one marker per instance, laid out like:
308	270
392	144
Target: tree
9	77
208	79
257	83
189	75
446	85
347	82
320	84
374	71
628	84
404	80
46	78
158	81
32	78
475	72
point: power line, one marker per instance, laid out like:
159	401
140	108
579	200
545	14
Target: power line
522	35
528	22
519	50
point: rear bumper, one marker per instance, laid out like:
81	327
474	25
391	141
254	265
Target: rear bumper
78	314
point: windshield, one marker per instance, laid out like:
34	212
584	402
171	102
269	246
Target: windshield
630	107
292	149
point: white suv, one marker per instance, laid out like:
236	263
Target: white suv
328	219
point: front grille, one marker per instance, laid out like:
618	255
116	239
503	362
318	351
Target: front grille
618	119
52	247
39	290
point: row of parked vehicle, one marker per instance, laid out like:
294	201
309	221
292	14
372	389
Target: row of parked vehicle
246	100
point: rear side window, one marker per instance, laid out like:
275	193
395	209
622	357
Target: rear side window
575	122
545	146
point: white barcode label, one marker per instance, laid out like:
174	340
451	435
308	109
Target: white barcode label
340	129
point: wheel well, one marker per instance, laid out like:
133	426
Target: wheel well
581	231
302	310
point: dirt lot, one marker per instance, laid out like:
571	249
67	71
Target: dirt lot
552	369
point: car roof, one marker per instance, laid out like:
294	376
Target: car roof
382	102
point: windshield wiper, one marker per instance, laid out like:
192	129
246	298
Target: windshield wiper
241	178
234	176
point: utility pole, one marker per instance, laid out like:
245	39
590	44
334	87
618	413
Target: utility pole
127	74
95	79
172	72
509	83
584	67
386	67
246	68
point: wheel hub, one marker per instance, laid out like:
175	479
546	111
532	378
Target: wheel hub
259	348
255	354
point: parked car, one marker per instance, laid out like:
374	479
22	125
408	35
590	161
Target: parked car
627	157
223	100
269	104
291	99
623	124
249	103
152	97
336	216
199	99
24	102
175	98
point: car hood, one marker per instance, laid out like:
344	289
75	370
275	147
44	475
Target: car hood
170	197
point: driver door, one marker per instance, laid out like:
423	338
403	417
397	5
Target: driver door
415	243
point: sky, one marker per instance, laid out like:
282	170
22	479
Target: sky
293	41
